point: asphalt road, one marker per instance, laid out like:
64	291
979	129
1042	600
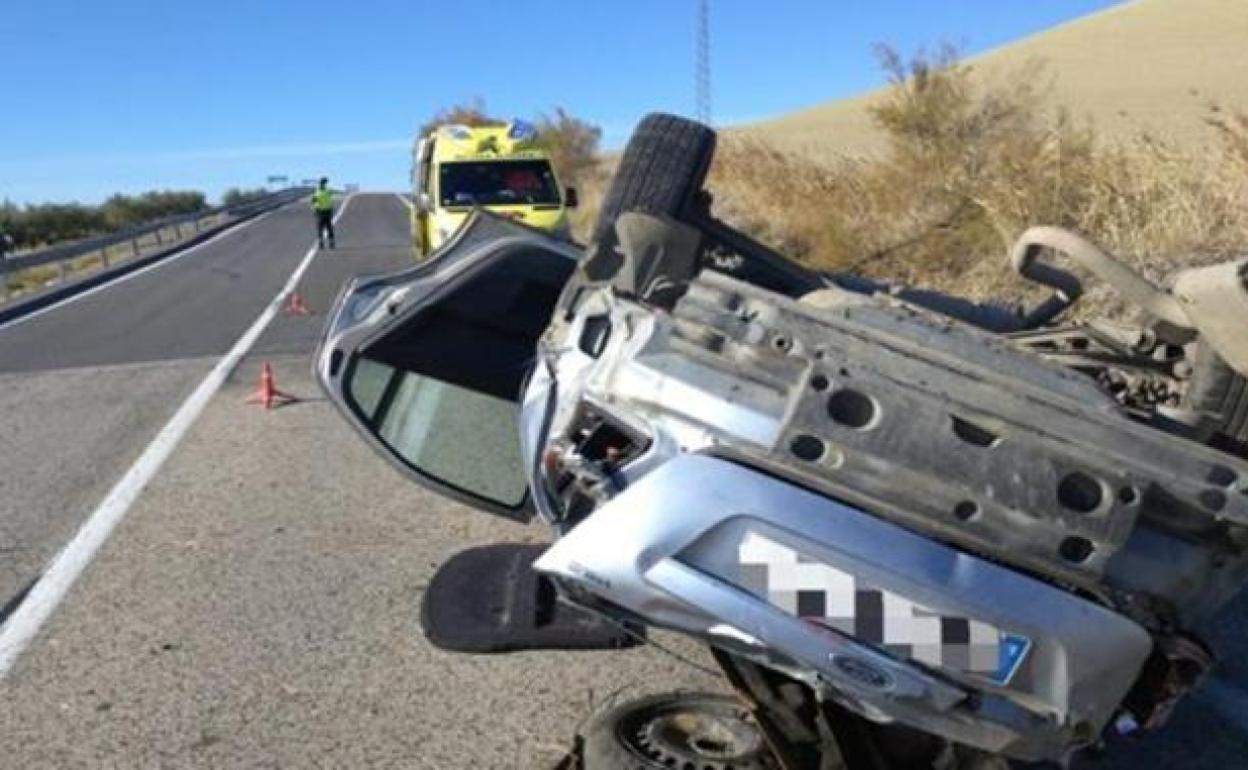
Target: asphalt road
187	307
84	386
258	607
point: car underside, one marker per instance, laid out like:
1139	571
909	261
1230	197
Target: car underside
915	531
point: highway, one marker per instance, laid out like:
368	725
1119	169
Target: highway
197	305
85	385
258	604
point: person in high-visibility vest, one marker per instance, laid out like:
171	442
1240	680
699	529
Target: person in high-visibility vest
323	205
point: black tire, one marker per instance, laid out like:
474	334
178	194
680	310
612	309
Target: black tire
676	730
1221	393
661	172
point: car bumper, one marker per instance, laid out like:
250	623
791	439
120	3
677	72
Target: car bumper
712	548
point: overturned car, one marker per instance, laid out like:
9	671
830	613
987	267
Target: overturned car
914	531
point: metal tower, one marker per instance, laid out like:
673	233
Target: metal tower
702	68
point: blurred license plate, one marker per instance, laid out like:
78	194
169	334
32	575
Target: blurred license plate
822	594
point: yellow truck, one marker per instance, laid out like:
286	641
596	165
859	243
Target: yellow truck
457	168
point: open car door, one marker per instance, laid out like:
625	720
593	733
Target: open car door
428	363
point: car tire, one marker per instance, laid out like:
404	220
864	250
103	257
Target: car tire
1221	394
702	730
661	172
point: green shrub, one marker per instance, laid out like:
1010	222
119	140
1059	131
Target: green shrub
237	195
36	225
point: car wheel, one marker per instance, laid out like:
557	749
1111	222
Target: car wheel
676	730
661	172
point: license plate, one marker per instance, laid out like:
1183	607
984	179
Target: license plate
822	594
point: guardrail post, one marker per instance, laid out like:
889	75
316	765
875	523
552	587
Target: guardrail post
62	271
104	258
5	291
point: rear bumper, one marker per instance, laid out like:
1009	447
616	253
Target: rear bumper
732	555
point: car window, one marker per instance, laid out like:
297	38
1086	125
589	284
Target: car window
461	437
441	389
496	183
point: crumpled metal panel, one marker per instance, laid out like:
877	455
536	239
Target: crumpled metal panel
928	422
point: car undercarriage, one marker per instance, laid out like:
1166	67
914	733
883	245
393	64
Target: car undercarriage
915	531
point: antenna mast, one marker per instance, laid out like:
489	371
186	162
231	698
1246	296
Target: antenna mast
702	70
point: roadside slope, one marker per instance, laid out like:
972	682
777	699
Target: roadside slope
1148	65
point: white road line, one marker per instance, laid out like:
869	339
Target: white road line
24	624
406	202
136	273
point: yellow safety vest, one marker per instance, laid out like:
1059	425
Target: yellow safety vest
323	199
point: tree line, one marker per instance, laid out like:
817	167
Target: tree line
36	225
237	195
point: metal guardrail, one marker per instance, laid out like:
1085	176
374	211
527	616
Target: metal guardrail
62	254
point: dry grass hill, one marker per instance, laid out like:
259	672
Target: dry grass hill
1147	65
928	181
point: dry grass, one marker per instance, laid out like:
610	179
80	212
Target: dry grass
591	186
966	168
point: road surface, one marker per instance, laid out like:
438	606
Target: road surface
84	386
258	606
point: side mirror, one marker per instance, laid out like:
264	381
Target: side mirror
423	203
570	198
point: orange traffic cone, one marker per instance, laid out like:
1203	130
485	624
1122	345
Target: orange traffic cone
268	394
295	306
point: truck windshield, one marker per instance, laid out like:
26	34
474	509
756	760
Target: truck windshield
497	183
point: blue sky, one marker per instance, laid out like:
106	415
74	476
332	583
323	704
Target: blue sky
127	95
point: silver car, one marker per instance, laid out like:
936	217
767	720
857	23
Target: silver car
903	522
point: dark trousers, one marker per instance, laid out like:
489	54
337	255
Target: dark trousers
325	226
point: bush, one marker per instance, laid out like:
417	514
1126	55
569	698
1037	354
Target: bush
571	142
967	167
121	211
237	195
33	226
472	114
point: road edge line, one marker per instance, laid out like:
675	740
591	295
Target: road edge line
21	627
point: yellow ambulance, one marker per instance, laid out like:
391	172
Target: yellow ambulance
502	168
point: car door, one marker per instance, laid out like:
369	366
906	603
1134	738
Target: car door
428	363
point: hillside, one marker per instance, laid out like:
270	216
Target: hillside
1147	65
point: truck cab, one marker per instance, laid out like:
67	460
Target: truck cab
502	168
